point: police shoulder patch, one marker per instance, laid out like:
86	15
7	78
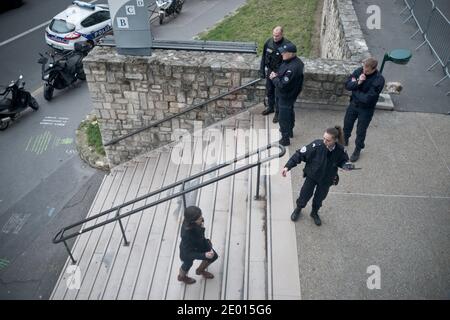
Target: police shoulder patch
286	79
303	150
313	145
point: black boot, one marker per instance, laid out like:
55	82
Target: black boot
315	216
285	142
355	156
345	142
291	134
275	118
296	213
267	111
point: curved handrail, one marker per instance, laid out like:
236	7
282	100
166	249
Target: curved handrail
60	237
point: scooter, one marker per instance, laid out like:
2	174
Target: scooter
19	100
168	7
63	70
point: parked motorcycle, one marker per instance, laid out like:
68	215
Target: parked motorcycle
63	70
13	101
168	7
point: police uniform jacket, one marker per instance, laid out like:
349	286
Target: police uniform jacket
320	166
289	81
193	242
366	94
271	57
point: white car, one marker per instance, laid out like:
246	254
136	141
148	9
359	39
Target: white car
81	21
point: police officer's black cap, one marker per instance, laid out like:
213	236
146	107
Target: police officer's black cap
288	47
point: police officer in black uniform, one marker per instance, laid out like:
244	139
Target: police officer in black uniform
366	84
322	158
271	61
288	82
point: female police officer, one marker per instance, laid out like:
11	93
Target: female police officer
322	158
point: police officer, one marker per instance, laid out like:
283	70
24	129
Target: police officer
366	84
271	61
322	158
288	82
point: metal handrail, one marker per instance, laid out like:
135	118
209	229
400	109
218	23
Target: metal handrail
60	237
114	141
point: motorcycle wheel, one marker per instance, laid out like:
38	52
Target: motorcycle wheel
4	125
161	17
48	92
33	104
179	7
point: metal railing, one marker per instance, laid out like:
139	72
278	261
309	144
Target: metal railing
435	28
186	110
61	237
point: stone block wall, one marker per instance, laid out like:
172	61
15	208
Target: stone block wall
341	36
130	92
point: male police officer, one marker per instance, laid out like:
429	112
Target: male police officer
271	61
288	82
366	84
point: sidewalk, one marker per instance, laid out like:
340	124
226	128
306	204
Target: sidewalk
394	213
418	93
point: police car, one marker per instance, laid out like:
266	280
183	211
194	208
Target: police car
80	22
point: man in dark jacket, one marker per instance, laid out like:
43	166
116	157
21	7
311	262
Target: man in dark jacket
366	84
271	61
288	82
322	158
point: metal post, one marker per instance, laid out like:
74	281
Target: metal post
70	254
184	197
258	178
126	243
386	56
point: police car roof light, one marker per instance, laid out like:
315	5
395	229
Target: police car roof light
83	4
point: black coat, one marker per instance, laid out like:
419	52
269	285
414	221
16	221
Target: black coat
193	242
366	94
289	81
319	166
271	57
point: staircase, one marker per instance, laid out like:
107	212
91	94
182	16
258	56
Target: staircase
255	239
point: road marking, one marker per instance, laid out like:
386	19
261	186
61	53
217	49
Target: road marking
388	195
54	121
29	31
50	211
15	223
3	263
41	143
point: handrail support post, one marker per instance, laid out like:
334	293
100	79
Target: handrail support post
70	253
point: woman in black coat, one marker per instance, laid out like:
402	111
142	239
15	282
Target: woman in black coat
322	159
194	246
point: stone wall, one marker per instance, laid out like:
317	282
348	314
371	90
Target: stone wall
341	36
130	92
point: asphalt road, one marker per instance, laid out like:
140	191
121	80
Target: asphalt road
44	184
416	80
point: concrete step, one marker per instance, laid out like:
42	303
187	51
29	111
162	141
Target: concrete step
255	240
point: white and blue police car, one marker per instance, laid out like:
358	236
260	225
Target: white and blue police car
80	22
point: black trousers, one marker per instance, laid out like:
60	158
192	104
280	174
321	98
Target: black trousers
307	191
364	117
271	96
188	261
286	118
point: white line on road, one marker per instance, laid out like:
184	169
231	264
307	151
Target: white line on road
29	31
388	195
